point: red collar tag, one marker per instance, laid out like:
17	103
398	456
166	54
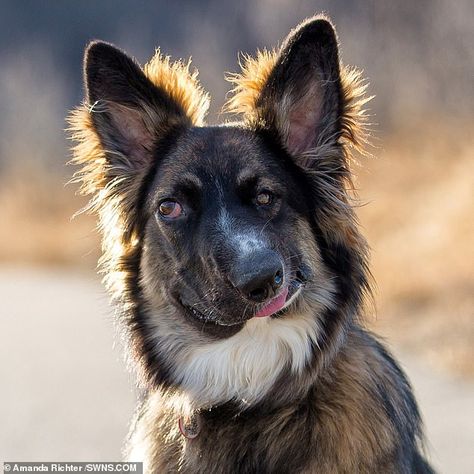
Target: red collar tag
190	426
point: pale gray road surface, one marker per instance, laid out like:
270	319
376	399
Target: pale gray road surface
65	394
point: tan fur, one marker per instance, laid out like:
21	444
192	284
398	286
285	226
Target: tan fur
182	86
249	83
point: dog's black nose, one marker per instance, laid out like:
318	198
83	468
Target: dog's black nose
258	275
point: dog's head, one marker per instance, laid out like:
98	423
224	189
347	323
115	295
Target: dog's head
210	230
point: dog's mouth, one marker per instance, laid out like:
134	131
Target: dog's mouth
208	317
276	307
279	305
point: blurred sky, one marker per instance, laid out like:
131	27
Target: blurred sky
418	55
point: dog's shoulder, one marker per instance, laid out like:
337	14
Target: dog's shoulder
367	408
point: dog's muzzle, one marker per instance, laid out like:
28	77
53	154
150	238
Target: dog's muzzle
258	275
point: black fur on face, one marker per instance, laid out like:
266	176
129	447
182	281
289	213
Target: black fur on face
197	260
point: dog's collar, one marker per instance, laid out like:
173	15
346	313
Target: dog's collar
190	426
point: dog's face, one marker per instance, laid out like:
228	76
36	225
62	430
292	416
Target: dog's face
232	249
226	219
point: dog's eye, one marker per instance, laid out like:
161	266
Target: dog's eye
264	198
170	209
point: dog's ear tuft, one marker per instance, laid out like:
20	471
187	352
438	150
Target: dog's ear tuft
176	80
300	92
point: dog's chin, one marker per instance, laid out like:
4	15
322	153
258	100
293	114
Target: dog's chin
217	320
214	326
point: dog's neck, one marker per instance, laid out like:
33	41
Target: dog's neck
246	367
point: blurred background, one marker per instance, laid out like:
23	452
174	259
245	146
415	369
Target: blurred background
65	394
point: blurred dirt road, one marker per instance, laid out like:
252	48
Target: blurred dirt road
65	394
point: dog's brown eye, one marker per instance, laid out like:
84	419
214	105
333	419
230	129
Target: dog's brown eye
264	198
170	209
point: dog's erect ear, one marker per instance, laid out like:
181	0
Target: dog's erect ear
302	98
296	92
129	112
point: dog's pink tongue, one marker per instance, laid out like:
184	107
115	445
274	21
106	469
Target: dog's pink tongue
274	305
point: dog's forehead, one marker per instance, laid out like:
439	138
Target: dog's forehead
213	152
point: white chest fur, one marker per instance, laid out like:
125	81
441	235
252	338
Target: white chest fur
245	366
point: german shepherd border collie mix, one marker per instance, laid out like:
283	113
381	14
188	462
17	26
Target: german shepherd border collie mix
234	257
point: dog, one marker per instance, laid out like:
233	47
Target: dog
234	258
